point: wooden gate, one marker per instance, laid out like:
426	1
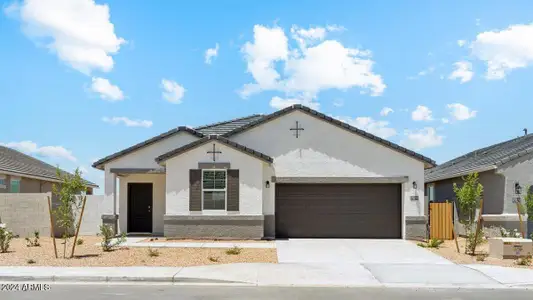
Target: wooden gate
441	221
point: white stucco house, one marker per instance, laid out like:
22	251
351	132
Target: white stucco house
293	173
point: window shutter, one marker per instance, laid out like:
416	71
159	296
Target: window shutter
195	190
233	190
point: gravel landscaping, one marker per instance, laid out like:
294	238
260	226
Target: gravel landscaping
90	255
449	251
177	240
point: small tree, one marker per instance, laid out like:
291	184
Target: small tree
528	202
69	203
468	198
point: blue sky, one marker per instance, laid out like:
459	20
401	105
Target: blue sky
81	79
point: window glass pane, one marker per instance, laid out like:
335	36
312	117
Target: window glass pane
215	200
209	180
15	186
2	181
431	193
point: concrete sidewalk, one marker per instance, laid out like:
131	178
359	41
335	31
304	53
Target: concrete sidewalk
290	274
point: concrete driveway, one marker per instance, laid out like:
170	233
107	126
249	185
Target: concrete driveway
362	251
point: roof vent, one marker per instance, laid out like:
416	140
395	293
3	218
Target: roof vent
525	131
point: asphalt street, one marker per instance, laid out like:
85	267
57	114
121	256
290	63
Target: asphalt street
169	292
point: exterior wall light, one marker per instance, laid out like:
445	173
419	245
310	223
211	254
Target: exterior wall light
415	185
267	184
517	188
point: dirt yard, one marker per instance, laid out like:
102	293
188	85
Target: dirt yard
449	251
177	240
91	255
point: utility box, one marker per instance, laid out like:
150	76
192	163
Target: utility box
504	247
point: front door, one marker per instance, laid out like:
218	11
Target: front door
140	207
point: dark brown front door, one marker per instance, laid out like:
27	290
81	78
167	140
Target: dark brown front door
338	210
140	207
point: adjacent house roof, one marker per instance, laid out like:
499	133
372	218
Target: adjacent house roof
314	113
211	138
483	159
227	126
20	164
99	164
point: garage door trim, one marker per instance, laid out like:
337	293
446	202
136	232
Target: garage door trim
326	180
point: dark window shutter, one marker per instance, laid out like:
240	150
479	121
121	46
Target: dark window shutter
195	190
233	190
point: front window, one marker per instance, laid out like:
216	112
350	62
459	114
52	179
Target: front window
2	183
15	185
430	192
214	189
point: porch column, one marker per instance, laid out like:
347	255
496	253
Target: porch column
110	195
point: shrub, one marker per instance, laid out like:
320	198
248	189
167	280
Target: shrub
34	242
481	256
513	233
107	234
5	239
30	261
80	242
213	258
468	199
234	251
432	243
524	261
471	242
153	252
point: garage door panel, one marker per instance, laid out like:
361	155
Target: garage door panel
338	210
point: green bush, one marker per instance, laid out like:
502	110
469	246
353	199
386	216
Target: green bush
5	239
107	234
432	243
481	256
30	261
471	241
234	251
213	258
33	242
153	252
80	242
524	261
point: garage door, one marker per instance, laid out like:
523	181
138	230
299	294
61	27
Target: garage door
338	210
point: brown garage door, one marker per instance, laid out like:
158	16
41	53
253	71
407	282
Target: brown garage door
338	210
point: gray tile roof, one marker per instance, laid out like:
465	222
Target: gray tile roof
17	162
227	126
99	163
333	121
483	159
208	139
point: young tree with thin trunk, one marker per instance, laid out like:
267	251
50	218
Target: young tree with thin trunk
468	198
67	192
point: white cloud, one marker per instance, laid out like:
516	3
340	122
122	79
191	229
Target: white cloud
83	170
445	120
461	43
172	91
505	50
463	71
421	113
78	31
338	103
379	128
280	103
210	54
30	147
106	90
422	73
423	138
386	111
128	122
314	65
461	112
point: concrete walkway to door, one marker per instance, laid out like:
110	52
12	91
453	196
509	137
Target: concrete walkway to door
341	251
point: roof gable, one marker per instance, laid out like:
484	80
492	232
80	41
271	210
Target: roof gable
99	163
212	138
482	159
427	161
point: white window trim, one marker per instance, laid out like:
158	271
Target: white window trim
215	190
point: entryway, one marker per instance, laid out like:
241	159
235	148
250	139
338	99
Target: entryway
140	204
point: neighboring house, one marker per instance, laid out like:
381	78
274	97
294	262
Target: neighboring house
505	171
292	173
21	173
